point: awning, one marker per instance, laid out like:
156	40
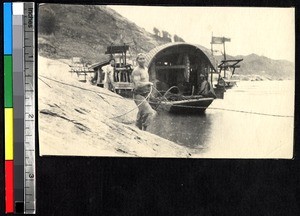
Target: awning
150	56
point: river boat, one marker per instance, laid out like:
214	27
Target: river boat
175	70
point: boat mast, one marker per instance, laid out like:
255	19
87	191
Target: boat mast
212	53
224	55
224	48
211	44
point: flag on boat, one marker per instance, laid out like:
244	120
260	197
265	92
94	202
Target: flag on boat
219	40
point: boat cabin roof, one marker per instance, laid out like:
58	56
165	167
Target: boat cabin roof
179	47
97	65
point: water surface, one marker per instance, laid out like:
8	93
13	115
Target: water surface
226	132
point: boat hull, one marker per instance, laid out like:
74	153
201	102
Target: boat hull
184	106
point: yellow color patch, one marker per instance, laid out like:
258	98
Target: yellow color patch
9	135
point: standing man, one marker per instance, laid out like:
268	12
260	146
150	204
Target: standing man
109	75
142	88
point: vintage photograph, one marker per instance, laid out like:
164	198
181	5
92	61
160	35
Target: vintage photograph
171	82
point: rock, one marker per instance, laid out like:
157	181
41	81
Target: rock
76	119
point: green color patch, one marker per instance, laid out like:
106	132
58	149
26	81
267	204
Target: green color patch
8	82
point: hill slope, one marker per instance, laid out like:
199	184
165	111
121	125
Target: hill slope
253	65
86	30
275	69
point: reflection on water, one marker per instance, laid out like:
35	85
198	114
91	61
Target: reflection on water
189	130
224	133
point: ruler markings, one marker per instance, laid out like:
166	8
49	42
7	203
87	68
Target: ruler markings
29	62
18	94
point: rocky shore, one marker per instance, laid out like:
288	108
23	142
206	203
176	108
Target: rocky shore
77	119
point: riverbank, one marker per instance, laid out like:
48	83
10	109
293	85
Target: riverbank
76	119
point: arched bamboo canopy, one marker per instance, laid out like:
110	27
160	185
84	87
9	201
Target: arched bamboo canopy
168	48
179	64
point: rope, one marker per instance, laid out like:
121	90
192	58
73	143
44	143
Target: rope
170	90
232	110
146	98
194	107
82	88
224	109
45	82
158	91
163	96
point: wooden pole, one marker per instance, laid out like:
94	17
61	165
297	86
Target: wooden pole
211	75
211	45
99	76
224	57
125	53
187	67
224	48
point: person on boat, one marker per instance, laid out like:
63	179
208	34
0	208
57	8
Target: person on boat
109	75
205	88
142	91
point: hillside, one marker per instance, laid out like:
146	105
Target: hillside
263	67
85	31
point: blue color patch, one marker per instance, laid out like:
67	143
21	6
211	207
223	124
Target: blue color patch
7	30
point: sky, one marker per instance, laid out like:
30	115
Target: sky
264	31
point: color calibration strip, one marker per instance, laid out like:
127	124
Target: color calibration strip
19	99
29	110
8	108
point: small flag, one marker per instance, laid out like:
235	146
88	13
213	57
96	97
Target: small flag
219	40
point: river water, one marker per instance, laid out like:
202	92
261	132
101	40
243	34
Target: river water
225	132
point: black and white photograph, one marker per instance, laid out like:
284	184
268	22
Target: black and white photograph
166	81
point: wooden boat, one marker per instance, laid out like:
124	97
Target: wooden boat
187	105
179	66
226	67
121	83
226	83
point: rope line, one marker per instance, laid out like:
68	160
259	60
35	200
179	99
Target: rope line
255	113
146	98
45	82
233	110
224	109
83	88
176	105
99	93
